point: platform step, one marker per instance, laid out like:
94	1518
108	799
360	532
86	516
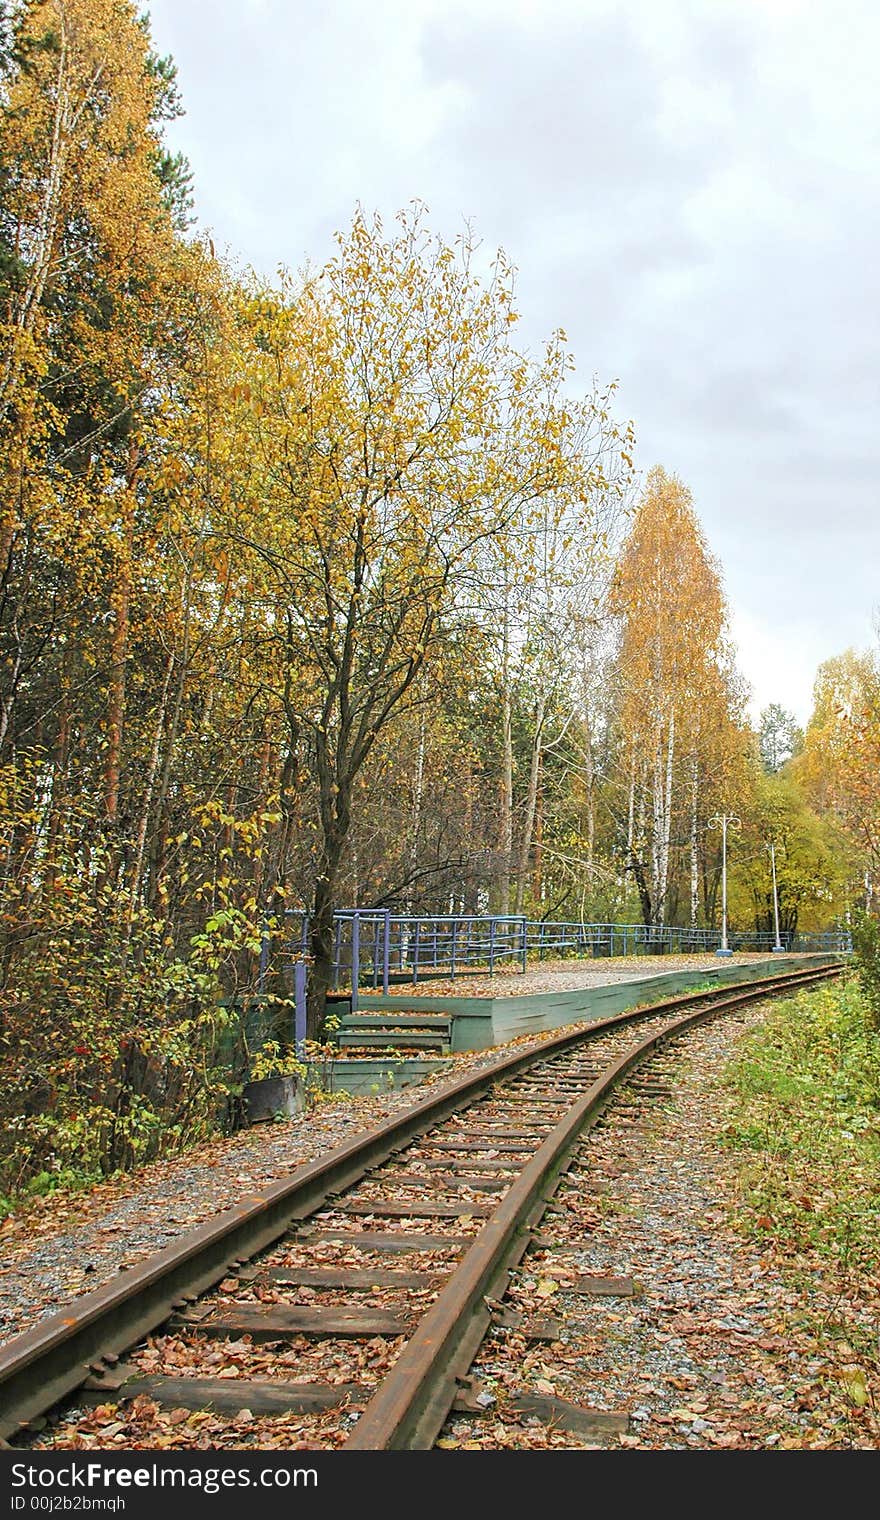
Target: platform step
395	1021
368	1039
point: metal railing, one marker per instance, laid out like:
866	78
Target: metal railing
374	947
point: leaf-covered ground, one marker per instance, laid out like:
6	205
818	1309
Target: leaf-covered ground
567	974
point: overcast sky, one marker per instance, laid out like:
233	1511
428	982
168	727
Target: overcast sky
688	187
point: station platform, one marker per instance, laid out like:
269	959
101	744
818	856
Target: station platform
551	996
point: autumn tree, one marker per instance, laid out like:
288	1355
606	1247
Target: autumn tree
811	853
96	311
678	721
396	433
840	763
86	237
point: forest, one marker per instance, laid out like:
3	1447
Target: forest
324	592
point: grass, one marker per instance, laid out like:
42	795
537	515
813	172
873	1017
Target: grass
804	1123
44	1185
805	1120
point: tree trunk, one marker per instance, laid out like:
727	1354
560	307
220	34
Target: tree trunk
45	234
119	649
590	785
335	783
321	950
263	795
506	810
695	854
531	802
418	800
631	809
666	827
638	871
657	827
152	770
60	770
158	858
538	865
641	817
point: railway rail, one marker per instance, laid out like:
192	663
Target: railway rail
406	1238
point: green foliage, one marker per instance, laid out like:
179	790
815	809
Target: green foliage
271	1060
811	859
114	1049
866	944
44	1184
806	1121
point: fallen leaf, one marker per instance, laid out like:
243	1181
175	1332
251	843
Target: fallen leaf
856	1388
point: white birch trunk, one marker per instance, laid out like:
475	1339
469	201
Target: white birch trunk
631	811
657	829
67	117
695	854
505	841
531	801
663	771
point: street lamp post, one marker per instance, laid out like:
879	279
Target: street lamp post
723	821
778	945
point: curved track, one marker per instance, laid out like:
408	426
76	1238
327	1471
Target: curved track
453	1188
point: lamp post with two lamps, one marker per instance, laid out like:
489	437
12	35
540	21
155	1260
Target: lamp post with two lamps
724	821
778	946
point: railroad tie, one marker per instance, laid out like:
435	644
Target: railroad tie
577	1419
348	1277
385	1240
414	1208
279	1322
449	1181
262	1396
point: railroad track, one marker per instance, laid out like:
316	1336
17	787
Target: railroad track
357	1292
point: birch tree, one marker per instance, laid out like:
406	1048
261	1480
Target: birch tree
542	586
674	682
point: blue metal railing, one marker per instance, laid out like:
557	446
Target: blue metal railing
299	1007
373	947
370	949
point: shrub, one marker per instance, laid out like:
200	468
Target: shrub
113	1048
866	944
